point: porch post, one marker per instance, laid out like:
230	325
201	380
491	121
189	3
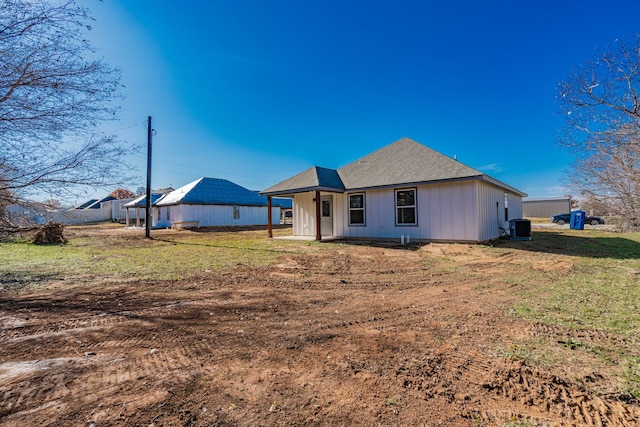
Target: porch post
318	217
269	226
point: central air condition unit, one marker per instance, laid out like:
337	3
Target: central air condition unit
520	229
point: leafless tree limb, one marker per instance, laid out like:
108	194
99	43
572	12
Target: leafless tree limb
602	108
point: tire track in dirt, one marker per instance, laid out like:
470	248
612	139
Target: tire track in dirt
41	381
532	388
593	336
30	332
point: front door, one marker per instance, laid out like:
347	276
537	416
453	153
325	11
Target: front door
326	213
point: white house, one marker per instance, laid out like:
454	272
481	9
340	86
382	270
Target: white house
403	189
213	202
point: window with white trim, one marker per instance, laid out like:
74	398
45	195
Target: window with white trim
406	213
236	212
356	209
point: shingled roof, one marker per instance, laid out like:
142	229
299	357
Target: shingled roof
213	191
402	162
314	178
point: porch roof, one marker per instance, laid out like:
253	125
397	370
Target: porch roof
314	178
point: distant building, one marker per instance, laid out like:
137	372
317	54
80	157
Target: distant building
545	207
208	202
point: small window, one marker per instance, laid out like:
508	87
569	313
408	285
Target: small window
356	209
326	208
406	207
236	212
159	214
168	214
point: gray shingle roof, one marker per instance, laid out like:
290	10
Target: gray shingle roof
314	178
403	162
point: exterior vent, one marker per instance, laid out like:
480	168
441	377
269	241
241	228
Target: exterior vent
520	229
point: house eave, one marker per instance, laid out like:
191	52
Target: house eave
481	177
292	192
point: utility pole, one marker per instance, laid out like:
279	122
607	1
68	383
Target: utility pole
147	221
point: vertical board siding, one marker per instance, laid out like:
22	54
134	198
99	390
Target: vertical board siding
469	211
515	206
218	215
304	223
453	211
545	208
492	210
445	212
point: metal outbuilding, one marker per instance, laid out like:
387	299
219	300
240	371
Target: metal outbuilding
545	207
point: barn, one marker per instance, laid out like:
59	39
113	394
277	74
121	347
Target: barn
209	202
404	189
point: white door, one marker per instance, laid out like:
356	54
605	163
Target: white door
326	214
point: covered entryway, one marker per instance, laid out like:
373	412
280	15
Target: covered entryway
313	202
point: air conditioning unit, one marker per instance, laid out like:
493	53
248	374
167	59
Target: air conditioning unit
519	229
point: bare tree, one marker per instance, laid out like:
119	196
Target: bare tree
601	103
53	94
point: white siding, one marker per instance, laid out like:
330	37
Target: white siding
468	211
117	208
216	215
445	212
453	211
304	214
492	210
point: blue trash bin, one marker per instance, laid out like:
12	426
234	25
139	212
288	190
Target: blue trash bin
577	220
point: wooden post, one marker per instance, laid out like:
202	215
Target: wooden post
318	217
269	226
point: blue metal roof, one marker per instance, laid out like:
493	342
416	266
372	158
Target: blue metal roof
141	201
213	191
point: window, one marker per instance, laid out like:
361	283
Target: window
236	212
506	207
168	215
326	208
356	209
159	214
406	207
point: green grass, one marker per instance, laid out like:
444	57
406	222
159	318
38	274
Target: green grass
166	257
600	293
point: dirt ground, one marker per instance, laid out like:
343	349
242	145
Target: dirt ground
346	335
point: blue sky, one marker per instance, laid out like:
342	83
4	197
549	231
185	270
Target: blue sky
257	91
